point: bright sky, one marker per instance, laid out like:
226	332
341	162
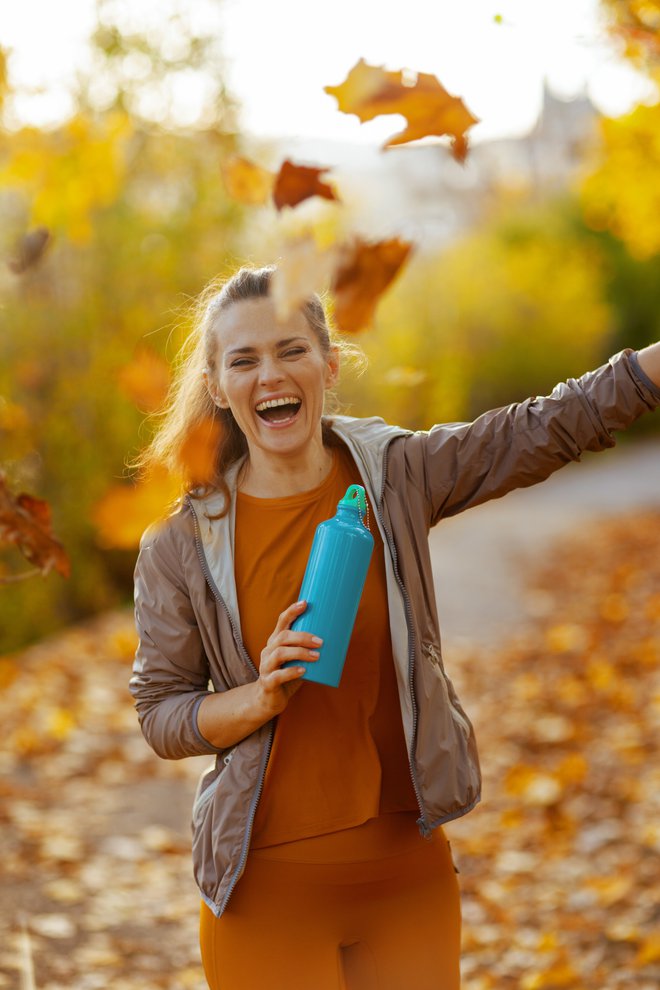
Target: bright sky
281	53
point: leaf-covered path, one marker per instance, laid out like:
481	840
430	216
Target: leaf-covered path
559	864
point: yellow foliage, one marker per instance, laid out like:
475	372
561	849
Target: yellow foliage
622	193
498	314
69	173
649	951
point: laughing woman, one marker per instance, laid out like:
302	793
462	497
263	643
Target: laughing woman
318	846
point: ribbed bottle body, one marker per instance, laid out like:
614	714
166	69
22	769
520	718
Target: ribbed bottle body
332	587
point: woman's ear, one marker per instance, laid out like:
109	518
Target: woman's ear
214	390
332	366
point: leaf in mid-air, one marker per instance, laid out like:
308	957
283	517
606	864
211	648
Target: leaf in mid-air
364	272
247	182
295	183
145	380
25	522
124	512
29	250
199	452
370	91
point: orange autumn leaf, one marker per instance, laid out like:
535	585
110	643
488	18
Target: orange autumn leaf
199	453
25	522
649	951
560	974
247	182
362	275
29	250
146	380
125	511
572	769
370	91
295	183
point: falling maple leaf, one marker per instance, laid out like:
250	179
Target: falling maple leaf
25	522
199	452
370	91
362	275
125	511
295	183
145	380
29	250
246	181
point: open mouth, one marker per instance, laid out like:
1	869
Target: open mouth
279	412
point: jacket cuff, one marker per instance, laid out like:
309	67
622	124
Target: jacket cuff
642	376
202	739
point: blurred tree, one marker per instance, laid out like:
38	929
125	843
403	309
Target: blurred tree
636	24
619	198
514	308
129	190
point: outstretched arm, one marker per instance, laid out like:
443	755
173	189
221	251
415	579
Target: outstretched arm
649	362
465	464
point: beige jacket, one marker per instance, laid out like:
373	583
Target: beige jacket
189	626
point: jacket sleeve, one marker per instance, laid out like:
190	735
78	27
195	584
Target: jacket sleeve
170	672
516	446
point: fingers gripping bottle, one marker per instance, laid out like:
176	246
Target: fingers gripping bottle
332	585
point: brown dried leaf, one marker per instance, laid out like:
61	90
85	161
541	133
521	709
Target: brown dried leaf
25	522
29	250
295	183
362	275
370	91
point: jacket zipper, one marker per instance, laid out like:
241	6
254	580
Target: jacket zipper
424	828
271	725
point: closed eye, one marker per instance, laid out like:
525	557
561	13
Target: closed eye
244	362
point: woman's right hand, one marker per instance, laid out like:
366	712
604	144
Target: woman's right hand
277	684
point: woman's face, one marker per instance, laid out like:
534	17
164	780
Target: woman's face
272	375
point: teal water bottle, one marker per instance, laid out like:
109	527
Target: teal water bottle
332	585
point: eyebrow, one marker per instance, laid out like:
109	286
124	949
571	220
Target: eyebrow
249	350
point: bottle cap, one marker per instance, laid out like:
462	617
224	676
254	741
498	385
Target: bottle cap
356	497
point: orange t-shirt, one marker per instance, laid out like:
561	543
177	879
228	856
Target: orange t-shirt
339	754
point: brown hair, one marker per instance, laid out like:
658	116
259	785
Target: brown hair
190	410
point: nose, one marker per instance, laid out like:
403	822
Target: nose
270	371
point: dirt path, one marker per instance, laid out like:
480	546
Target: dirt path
481	558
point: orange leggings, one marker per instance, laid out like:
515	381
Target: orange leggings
374	907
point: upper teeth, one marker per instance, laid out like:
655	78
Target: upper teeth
271	403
